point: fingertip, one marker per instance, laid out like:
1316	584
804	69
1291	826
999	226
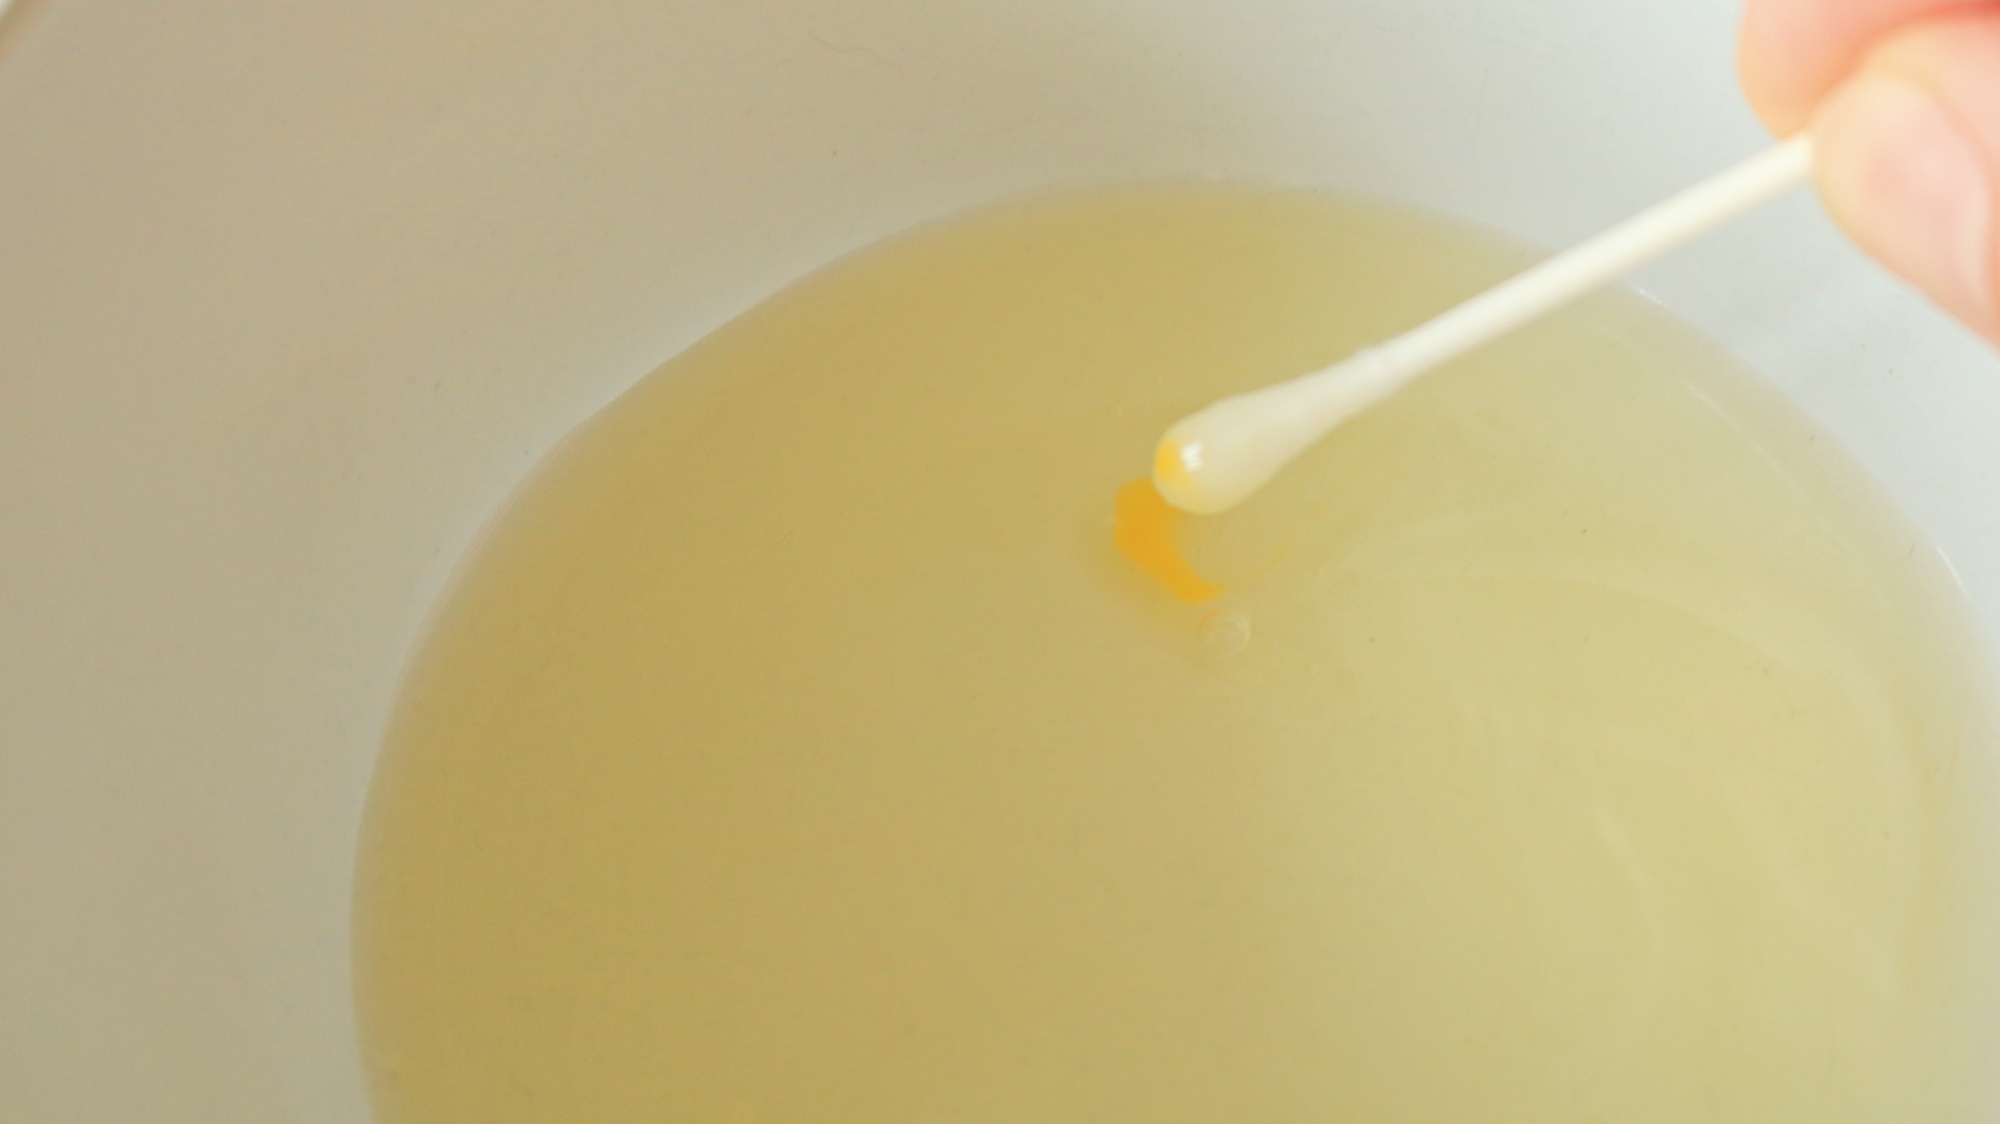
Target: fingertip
1904	176
1778	49
1792	53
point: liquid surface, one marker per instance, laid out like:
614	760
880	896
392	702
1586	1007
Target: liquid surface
1576	738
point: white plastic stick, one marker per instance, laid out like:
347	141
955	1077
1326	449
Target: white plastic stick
1213	460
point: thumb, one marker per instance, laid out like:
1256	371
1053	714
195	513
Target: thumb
1909	161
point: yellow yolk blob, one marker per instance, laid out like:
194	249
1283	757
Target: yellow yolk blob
1144	533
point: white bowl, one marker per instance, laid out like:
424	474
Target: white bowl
292	294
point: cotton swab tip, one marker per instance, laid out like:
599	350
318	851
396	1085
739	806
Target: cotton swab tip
1182	474
1211	461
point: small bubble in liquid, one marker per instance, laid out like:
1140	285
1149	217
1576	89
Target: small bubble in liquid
1225	634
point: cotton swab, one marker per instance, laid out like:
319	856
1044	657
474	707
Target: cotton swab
1213	460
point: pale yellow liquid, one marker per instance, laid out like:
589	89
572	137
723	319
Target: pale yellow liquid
1577	738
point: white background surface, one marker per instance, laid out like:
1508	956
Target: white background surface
290	295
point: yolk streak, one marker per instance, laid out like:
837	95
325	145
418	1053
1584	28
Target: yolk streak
1144	533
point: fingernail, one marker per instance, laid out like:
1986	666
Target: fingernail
1899	171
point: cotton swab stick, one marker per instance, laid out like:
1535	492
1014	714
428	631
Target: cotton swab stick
1211	461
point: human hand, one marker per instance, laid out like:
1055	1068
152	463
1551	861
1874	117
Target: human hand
1903	99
